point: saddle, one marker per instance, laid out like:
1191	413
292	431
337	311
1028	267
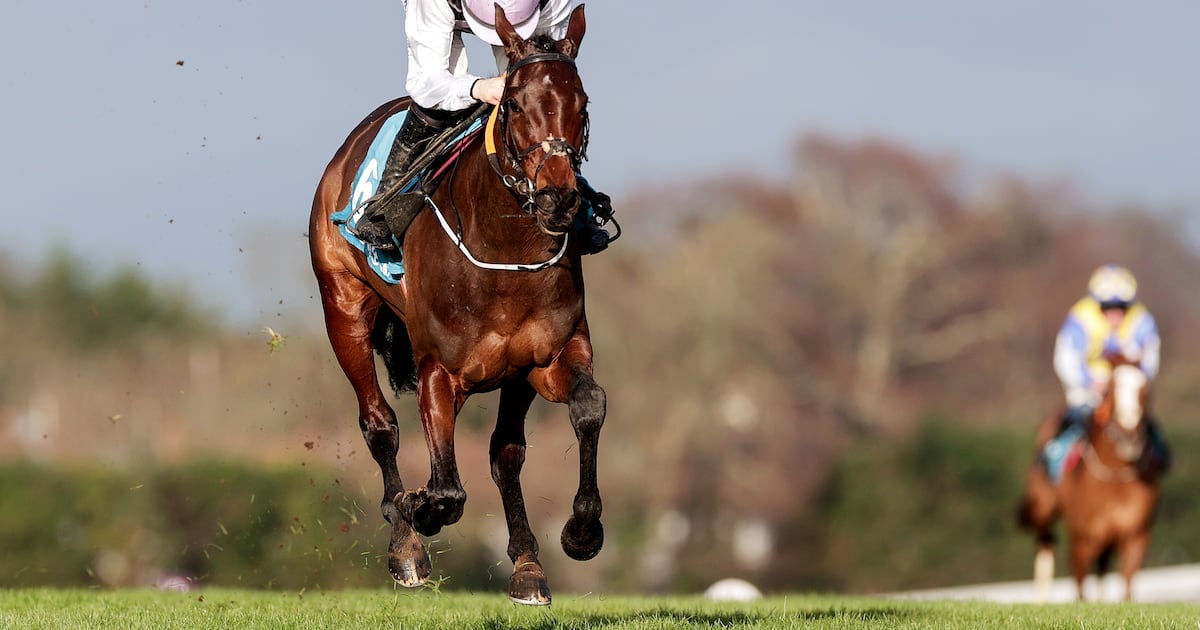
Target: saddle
425	171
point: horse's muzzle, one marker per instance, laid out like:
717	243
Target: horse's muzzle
555	208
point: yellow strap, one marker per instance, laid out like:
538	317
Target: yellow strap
489	139
489	135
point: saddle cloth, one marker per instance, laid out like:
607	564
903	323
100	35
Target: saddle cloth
389	265
1062	453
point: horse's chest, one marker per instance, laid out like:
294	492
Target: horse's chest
499	353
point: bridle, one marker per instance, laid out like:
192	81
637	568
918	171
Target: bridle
521	185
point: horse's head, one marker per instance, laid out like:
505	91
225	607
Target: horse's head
543	121
1123	409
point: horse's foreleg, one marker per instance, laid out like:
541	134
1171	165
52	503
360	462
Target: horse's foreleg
1133	553
1043	573
528	583
583	534
441	501
569	379
349	315
1083	553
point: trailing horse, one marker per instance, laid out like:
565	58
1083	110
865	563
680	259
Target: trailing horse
1106	500
492	297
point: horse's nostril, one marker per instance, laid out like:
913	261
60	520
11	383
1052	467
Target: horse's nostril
545	200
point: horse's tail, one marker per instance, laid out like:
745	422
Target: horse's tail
390	339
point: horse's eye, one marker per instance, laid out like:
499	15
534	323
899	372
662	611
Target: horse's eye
511	105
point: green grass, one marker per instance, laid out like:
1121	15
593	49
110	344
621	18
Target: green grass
227	608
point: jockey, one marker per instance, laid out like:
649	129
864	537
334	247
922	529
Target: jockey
443	90
1108	321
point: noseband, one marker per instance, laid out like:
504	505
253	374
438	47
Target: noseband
521	185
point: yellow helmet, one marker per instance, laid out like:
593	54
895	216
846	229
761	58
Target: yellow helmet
1113	286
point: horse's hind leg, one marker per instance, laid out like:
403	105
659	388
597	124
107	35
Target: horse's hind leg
528	582
350	312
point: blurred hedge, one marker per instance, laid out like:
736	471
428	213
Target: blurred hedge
207	523
939	508
934	509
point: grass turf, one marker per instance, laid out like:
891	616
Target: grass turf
228	608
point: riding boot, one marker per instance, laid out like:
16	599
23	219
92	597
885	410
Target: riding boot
392	210
598	212
1156	456
1071	428
1075	419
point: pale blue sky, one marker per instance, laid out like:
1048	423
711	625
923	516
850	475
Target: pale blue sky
205	172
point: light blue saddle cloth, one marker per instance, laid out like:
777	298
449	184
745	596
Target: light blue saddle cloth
388	264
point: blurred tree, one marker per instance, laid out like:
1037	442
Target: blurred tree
103	312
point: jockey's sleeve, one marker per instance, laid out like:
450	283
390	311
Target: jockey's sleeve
438	75
1145	335
1070	354
437	61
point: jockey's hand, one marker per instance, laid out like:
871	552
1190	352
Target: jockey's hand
488	90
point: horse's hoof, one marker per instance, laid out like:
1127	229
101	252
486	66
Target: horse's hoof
408	562
582	541
409	572
528	585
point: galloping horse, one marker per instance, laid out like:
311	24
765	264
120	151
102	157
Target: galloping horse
1106	503
456	326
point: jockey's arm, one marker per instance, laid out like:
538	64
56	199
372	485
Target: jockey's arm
1070	360
437	60
1148	343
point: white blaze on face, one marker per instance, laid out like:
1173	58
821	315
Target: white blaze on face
1127	402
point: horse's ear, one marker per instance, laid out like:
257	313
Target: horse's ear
575	28
508	34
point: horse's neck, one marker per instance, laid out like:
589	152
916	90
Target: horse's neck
489	214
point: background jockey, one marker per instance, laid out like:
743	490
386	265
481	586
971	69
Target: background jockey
443	91
1108	321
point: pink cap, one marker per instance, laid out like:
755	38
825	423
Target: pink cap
481	17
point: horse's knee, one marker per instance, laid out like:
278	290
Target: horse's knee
382	436
587	403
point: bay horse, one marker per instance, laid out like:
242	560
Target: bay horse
460	323
1105	501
